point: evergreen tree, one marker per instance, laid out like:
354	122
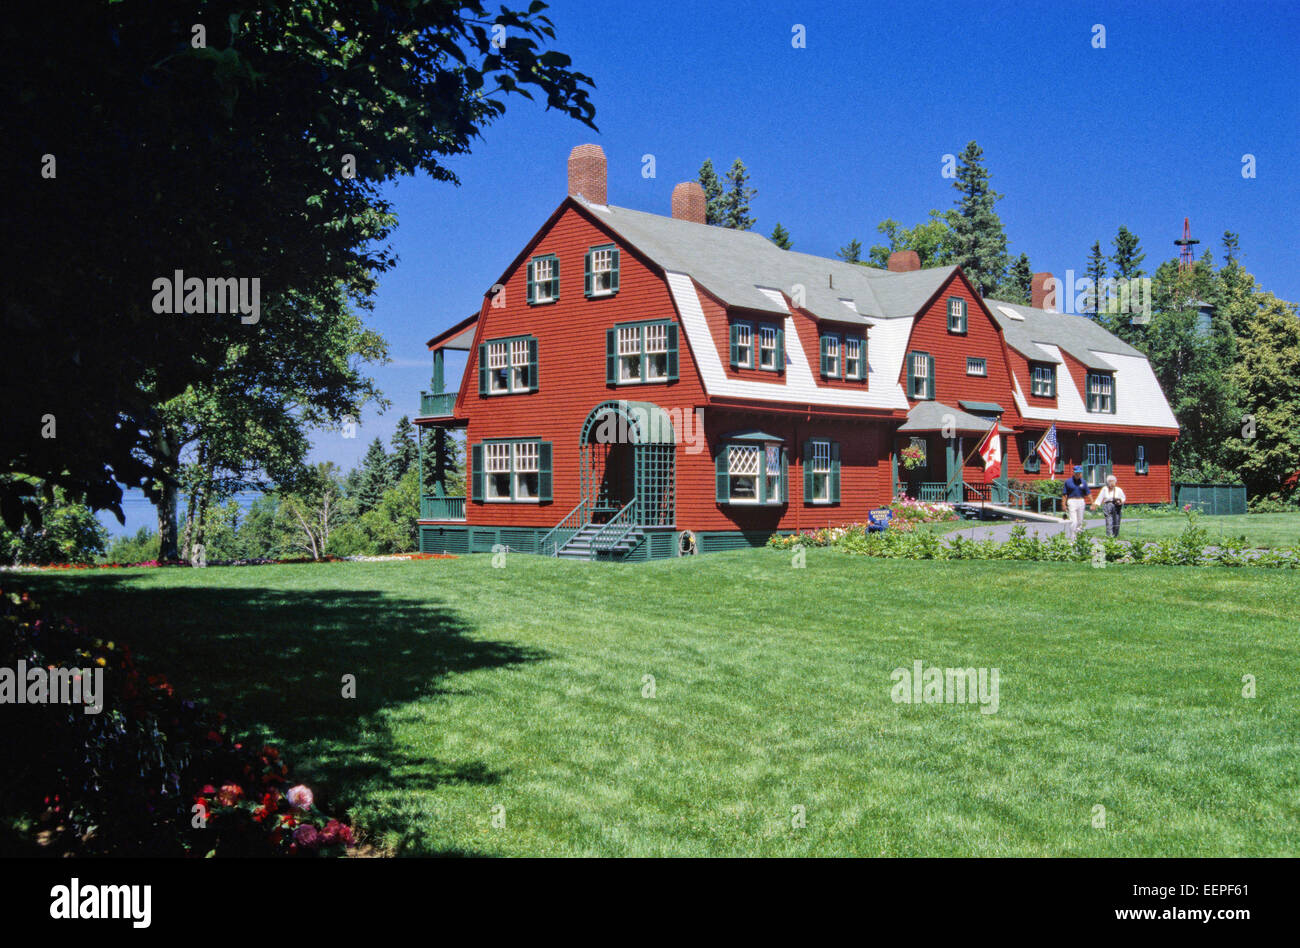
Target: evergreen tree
781	237
851	252
1019	282
979	240
406	452
1127	256
373	478
713	206
1096	273
735	201
932	240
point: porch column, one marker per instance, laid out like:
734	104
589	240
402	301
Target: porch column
439	381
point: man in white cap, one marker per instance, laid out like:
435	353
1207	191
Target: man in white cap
1111	500
1076	492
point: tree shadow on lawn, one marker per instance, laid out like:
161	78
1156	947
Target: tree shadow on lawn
273	660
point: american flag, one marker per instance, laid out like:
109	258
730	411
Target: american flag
1047	450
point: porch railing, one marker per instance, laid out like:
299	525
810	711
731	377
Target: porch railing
442	508
615	529
563	531
932	491
437	406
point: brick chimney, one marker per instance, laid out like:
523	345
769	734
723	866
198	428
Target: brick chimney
904	261
689	203
1042	292
587	173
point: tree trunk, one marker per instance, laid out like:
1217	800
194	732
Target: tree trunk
165	495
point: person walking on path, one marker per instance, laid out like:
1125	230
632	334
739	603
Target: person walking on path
1076	492
1111	501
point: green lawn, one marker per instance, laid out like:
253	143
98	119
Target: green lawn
1261	530
522	687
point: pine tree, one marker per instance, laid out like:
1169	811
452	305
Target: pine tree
735	201
851	252
1096	273
980	242
372	478
1019	282
713	210
1127	256
406	453
781	237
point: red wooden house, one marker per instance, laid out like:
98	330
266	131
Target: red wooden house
637	384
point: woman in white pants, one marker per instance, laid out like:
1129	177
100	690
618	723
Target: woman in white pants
1111	501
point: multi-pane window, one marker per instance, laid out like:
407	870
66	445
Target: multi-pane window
629	354
526	470
519	364
831	356
767	347
853	358
976	366
511	470
545	281
641	352
920	375
656	352
772	492
742	335
956	315
602	271
498	363
1101	397
743	470
821	472
508	365
496	483
1043	381
1032	462
1140	465
1096	460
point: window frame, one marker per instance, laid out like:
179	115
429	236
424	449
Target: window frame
1141	463
1093	403
912	377
961	312
724	474
590	272
1050	371
488	372
831	474
553	283
482	469
737	346
614	355
1031	462
983	372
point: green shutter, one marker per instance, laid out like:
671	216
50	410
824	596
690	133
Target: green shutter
544	471
735	347
760	487
476	463
911	374
785	476
720	471
586	274
613	277
672	352
555	277
780	349
482	368
531	295
835	472
862	360
929	382
807	472
532	364
611	358
825	359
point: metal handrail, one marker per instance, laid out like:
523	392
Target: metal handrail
597	545
576	511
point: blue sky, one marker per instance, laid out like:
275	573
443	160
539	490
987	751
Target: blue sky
853	129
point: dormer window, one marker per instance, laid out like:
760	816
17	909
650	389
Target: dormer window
1042	380
742	346
767	347
853	359
1101	392
831	356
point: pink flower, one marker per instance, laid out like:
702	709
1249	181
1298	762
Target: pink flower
306	835
299	796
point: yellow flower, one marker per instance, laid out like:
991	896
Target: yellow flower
100	661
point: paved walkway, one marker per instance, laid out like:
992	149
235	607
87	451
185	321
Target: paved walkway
1000	530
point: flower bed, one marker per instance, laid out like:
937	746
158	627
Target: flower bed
150	773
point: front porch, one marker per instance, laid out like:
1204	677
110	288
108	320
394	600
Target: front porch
943	441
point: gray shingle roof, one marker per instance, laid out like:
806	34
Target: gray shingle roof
935	416
1077	335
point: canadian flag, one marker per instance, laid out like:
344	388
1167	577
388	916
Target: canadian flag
990	450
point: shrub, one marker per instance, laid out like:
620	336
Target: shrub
134	778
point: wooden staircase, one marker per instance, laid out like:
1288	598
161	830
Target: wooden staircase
579	546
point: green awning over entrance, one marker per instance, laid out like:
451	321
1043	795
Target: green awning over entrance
991	408
629	423
750	434
936	416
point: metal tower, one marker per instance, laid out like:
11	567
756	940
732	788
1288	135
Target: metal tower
1185	260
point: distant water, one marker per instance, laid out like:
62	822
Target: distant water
140	512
